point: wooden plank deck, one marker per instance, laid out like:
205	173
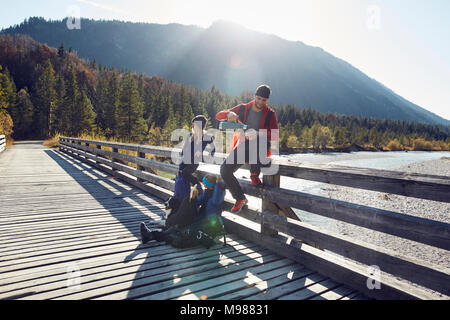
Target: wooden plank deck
70	231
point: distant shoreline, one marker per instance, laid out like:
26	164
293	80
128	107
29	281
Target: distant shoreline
353	148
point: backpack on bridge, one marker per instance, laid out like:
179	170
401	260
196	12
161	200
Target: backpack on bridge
202	232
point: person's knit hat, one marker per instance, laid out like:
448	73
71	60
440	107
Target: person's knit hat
201	118
263	91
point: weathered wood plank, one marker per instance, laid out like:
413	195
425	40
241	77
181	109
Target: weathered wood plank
231	282
85	253
256	282
196	281
145	163
116	261
344	271
147	280
84	220
335	294
92	263
311	290
264	285
36	237
422	230
277	292
420	186
40	234
150	188
419	272
63	246
62	214
150	261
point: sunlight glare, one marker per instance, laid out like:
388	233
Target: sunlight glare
291	20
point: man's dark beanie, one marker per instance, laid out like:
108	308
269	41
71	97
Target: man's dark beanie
201	118
263	91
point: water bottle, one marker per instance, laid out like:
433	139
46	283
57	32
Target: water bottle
225	125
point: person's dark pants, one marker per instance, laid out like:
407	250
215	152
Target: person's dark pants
163	236
233	163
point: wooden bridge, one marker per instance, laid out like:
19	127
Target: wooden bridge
69	229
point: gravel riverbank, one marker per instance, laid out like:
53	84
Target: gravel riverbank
411	206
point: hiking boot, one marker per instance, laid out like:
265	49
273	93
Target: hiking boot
239	205
146	234
256	182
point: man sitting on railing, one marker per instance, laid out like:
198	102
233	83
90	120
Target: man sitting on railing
256	115
198	220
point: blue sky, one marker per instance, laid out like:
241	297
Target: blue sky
403	44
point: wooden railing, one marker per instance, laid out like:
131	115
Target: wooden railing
2	142
340	257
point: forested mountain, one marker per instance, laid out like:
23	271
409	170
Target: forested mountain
46	90
233	59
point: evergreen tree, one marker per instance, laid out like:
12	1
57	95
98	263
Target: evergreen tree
6	122
340	136
10	90
130	122
23	115
45	97
187	114
61	51
69	107
154	135
172	123
374	137
112	103
101	104
324	137
306	137
83	115
61	115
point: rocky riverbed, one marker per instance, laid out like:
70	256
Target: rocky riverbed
428	209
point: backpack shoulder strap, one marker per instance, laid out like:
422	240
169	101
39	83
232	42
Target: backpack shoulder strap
242	112
269	115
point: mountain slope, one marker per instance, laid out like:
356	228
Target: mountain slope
233	59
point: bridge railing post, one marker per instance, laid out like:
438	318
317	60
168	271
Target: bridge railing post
267	205
141	155
99	146
2	142
115	150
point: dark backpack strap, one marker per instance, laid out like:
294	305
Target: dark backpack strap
242	113
269	115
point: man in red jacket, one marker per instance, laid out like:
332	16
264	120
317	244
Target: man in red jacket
256	115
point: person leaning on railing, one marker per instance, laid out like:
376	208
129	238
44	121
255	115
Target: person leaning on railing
256	115
195	143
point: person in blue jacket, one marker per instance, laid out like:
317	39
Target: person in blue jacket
198	220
